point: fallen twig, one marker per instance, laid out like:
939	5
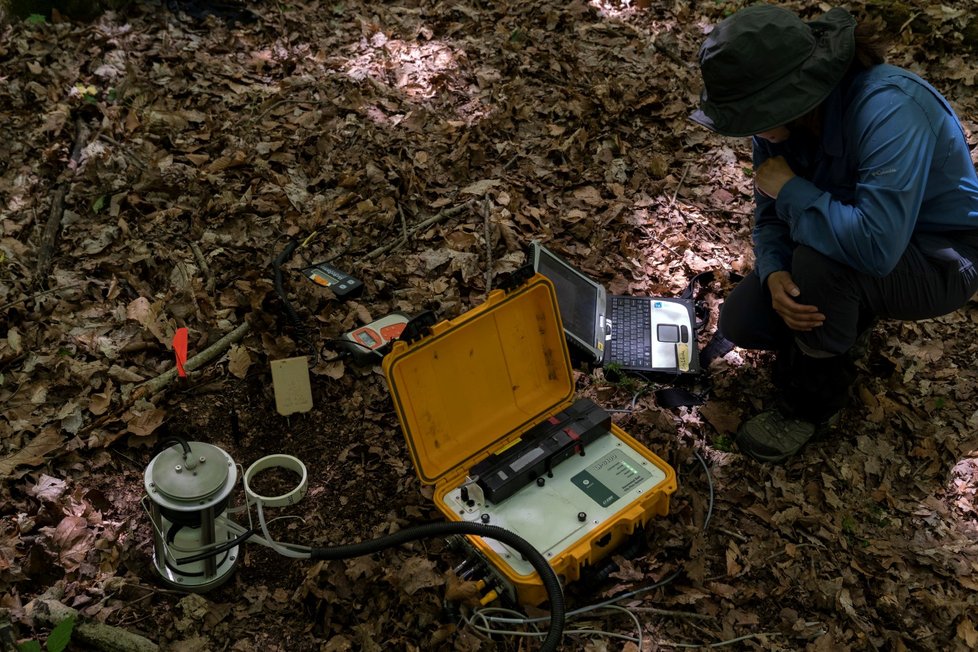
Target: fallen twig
154	385
49	240
404	224
485	215
205	270
434	219
40	294
672	612
94	635
731	641
679	185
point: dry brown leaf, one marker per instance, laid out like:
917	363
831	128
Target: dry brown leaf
724	417
48	489
144	418
239	360
148	315
480	188
33	453
73	540
966	632
418	573
99	403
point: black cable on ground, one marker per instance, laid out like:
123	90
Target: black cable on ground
555	594
214	552
300	329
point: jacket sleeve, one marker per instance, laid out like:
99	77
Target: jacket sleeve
771	234
894	145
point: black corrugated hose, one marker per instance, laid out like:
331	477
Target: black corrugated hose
555	594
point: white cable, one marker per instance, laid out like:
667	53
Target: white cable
282	549
517	618
634	617
537	634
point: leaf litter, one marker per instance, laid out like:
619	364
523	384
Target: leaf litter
420	146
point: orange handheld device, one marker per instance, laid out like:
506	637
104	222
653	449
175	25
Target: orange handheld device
369	339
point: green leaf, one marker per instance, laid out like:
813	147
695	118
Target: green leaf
29	646
98	205
36	19
723	443
61	635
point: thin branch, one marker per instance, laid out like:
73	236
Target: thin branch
93	635
672	612
205	270
485	216
52	228
721	643
679	185
443	215
404	225
153	386
36	295
733	534
660	242
49	239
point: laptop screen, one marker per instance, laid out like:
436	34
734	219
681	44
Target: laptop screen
576	296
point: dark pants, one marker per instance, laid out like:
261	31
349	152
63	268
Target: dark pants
936	275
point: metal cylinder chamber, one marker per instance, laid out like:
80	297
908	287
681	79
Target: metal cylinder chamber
188	487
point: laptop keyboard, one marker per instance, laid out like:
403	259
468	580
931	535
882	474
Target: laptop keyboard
631	343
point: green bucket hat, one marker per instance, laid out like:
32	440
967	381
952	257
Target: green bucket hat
764	67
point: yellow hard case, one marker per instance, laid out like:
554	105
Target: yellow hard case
474	384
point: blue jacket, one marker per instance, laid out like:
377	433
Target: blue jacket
892	161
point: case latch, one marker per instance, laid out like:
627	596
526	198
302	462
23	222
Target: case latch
419	326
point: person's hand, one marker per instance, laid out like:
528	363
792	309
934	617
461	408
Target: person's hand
771	176
798	316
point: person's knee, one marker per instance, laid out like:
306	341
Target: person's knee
731	324
744	317
814	272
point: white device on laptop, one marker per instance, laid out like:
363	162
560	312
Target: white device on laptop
644	335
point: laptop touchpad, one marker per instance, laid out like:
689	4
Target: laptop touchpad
667	332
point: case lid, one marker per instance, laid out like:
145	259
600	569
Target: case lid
480	379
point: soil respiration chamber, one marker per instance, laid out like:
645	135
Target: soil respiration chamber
197	545
188	492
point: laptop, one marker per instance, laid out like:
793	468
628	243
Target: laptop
641	335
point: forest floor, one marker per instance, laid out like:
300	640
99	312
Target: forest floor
421	145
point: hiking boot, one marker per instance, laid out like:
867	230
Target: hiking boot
860	348
773	437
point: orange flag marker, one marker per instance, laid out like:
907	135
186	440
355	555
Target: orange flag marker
180	350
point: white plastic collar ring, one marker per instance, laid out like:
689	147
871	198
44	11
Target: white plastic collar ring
273	461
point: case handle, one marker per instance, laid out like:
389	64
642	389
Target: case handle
516	278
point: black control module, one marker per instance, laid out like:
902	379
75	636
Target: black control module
540	449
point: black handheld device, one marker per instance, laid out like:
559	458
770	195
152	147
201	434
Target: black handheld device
343	285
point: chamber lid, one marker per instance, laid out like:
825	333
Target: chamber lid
199	477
